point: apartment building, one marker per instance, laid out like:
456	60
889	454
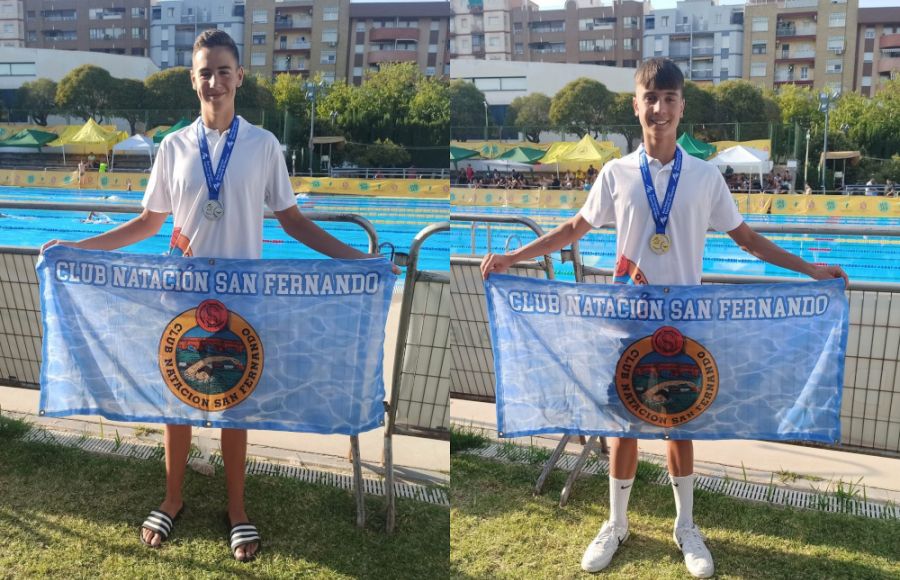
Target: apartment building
877	55
803	42
303	37
174	24
704	39
12	23
481	29
110	26
415	32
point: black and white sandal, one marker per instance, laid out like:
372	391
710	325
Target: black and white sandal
242	534
161	523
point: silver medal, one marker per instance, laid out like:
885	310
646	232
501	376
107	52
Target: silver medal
213	209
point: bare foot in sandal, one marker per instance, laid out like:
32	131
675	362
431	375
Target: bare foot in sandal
243	537
158	526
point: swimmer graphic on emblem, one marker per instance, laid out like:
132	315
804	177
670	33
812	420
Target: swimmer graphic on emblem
210	358
667	379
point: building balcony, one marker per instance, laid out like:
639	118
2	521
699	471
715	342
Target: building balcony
889	41
792	79
703	52
293	47
302	67
888	64
293	24
378	56
795	55
376	34
795	32
701	75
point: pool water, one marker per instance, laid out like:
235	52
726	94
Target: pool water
396	220
869	258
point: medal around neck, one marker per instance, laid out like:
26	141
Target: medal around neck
213	209
660	243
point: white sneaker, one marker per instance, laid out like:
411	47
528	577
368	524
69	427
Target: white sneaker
600	552
697	558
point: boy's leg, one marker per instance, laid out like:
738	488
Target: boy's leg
177	444
622	467
697	558
234	456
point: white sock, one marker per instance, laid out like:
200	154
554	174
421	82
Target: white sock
684	499
619	492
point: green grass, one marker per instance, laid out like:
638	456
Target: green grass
12	428
499	530
65	513
463	437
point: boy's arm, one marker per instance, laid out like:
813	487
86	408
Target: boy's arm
564	235
765	250
140	228
305	231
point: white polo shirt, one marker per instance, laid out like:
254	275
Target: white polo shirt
256	176
702	201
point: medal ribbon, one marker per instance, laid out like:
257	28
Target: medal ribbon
214	183
660	215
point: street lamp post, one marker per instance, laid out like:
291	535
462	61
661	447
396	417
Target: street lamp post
806	163
312	90
485	120
824	106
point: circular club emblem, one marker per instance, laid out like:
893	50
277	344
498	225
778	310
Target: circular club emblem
667	379
210	358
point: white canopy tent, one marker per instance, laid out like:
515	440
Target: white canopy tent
136	144
743	160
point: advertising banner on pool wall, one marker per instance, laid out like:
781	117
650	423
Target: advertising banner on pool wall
293	345
761	361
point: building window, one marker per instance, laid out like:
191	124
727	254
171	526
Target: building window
330	13
596	45
32	36
258	59
493	21
17	69
757	69
137	33
870	33
649	23
836	44
837	19
170	12
758	48
834	66
658	45
866	82
330	35
106	13
519	48
328	57
429	71
432	49
360	26
260	17
631	22
494	41
627	44
139	13
107	33
435	25
760	24
156	12
328	77
259	39
664	22
359	49
867	57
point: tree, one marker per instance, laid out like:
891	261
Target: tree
85	91
580	106
530	114
172	89
621	115
698	104
466	110
872	125
129	100
429	111
38	98
384	153
253	96
798	105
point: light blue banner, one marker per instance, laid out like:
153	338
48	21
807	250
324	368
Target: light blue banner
294	345
761	361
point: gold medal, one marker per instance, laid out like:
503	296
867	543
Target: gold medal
660	243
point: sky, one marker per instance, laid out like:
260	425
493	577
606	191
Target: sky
666	4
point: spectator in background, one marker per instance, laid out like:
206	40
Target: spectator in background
871	186
889	190
807	190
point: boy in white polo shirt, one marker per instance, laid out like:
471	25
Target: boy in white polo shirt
662	202
215	176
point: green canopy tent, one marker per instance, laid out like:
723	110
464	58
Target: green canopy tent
31	138
695	147
181	124
457	154
523	155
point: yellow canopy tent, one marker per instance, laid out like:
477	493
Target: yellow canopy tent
580	155
761	144
89	138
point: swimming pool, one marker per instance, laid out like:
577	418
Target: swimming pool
864	258
396	220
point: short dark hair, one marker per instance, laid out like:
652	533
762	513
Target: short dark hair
213	37
659	74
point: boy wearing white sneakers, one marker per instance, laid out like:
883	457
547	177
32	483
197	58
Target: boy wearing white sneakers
662	202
